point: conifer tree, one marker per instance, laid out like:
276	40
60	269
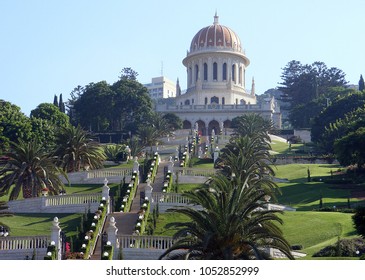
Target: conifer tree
61	105
361	83
55	100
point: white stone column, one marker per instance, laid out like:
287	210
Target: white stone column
112	231
56	237
105	194
170	165
136	165
148	190
216	153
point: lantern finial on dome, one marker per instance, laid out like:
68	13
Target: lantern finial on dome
216	17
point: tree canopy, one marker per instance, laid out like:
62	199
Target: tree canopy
102	107
14	125
347	102
303	84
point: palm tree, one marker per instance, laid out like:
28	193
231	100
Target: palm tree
248	159
29	169
252	125
76	149
233	223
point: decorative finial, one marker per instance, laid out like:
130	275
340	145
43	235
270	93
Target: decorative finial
216	17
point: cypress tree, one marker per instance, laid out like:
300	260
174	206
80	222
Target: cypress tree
361	83
61	105
55	100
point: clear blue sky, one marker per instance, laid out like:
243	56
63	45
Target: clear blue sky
49	47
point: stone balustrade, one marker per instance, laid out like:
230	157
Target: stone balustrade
111	172
185	171
75	203
171	198
23	242
72	199
145	242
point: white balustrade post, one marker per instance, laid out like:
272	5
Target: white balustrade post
136	165
170	166
148	190
105	193
56	237
216	154
112	230
177	154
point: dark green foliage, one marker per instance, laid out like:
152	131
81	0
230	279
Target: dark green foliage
55	100
361	83
61	105
115	153
303	84
29	169
228	226
76	150
252	125
122	106
341	108
359	221
14	125
350	148
173	121
343	248
51	113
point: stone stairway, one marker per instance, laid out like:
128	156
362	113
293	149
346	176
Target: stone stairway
126	222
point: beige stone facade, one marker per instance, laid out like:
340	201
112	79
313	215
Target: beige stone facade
216	83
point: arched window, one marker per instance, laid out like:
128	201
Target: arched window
214	99
223	100
215	71
224	71
206	100
187	102
190	76
196	72
234	72
240	76
205	72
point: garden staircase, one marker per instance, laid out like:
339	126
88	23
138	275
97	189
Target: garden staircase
126	222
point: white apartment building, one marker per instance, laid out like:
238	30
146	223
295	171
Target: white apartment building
161	87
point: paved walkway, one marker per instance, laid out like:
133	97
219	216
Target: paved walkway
125	222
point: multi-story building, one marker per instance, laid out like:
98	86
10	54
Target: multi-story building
161	87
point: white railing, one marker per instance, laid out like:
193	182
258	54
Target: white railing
145	242
195	171
279	207
23	242
72	199
174	198
111	172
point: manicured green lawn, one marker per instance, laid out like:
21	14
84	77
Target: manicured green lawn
304	195
187	187
315	230
40	224
283	148
165	219
205	163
